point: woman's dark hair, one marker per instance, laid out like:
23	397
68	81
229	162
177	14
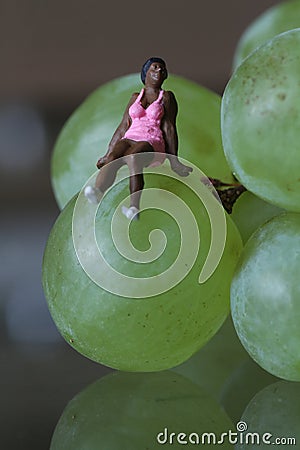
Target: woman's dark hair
148	64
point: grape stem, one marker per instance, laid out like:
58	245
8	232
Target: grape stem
228	192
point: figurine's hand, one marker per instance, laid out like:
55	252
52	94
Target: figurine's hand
181	169
101	162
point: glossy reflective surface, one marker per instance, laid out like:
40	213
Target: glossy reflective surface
39	372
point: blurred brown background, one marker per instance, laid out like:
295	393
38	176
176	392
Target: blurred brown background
56	52
52	55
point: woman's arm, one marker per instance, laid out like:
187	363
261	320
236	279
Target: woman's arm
120	131
124	125
169	130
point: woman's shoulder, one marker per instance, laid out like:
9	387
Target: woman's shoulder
169	98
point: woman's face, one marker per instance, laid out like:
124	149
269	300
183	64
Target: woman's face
156	74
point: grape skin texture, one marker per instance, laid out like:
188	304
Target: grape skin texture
127	411
260	122
265	295
275	20
136	334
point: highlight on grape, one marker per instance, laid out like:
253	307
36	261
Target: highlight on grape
107	277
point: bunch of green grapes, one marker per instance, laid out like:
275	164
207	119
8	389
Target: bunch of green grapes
261	133
260	121
145	314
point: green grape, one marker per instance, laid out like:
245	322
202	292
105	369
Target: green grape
282	17
250	212
213	364
274	410
265	296
259	116
131	412
243	383
145	334
86	135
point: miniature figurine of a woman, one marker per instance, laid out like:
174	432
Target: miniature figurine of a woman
148	126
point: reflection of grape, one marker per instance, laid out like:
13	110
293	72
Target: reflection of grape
128	411
250	212
86	134
125	333
279	18
244	382
265	296
260	111
274	410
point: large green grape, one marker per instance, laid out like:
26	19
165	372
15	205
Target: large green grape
276	20
265	295
132	411
274	411
86	135
144	334
260	121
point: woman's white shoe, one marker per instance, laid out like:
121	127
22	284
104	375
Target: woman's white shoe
130	213
93	194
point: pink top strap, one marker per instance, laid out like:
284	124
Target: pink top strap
160	95
140	95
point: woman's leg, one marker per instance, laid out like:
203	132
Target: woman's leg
136	166
108	172
128	149
107	175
